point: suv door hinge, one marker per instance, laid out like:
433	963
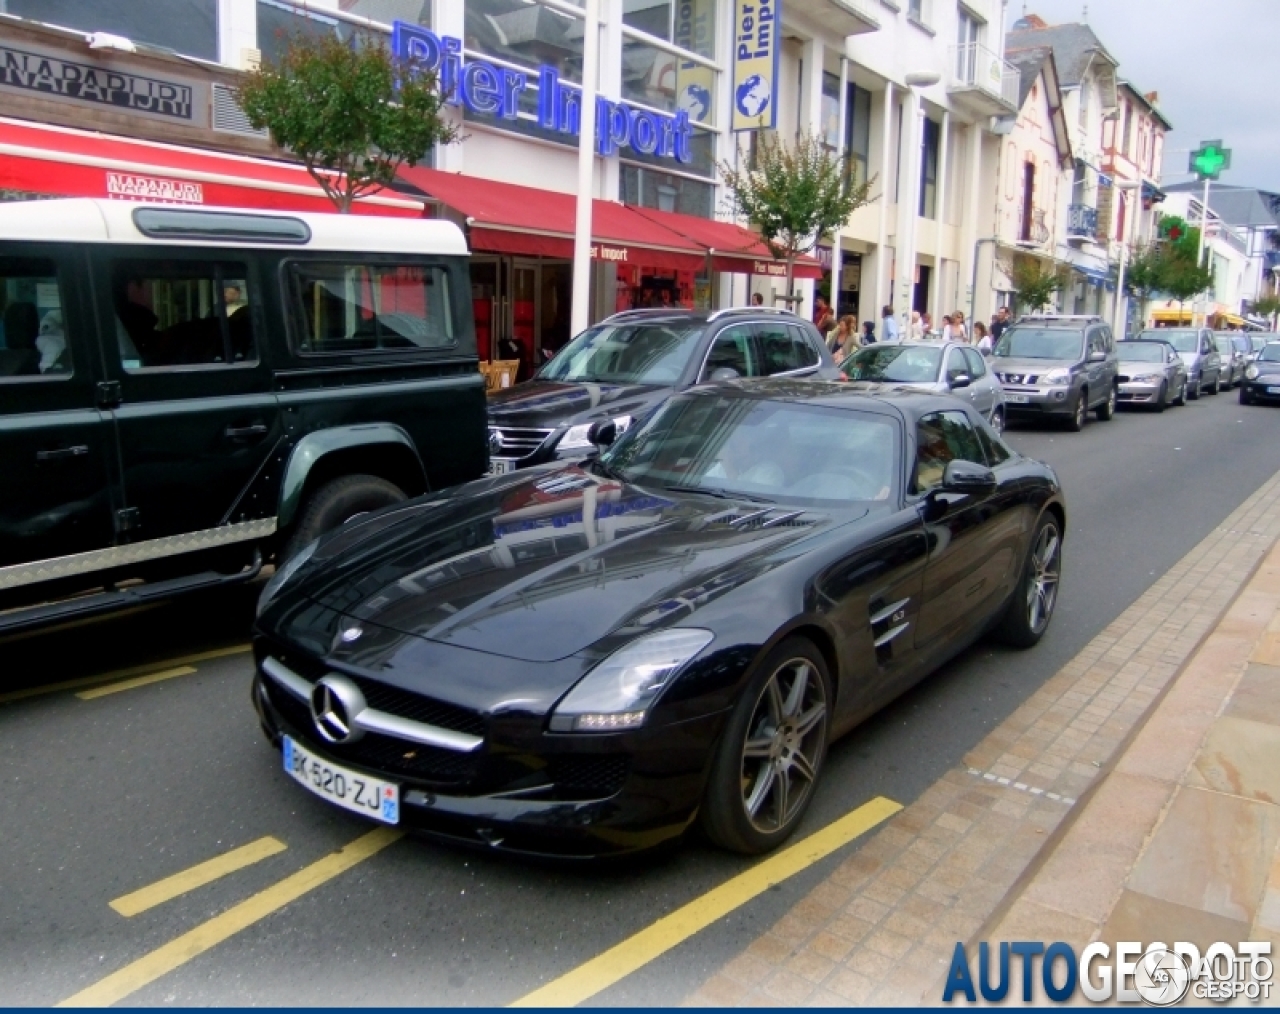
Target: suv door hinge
108	393
127	519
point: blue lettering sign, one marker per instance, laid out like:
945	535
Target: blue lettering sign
495	91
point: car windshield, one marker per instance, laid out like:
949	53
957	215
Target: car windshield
1224	343
1258	341
1138	352
905	364
770	450
1040	343
1183	341
1270	353
649	353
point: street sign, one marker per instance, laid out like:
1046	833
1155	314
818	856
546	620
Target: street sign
1209	160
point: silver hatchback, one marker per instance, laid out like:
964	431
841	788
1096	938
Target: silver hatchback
943	367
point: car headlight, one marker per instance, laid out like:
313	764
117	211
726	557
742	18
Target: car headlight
1251	373
1057	377
282	575
1150	378
576	437
617	694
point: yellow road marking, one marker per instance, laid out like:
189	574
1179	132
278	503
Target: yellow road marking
638	950
107	677
197	876
178	952
137	681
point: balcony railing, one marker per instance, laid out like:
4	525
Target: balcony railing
1082	220
974	66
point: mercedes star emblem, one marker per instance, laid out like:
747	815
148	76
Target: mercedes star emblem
336	704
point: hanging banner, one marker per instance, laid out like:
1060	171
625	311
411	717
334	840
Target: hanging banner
756	37
695	82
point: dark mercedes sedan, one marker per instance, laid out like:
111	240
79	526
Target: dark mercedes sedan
586	658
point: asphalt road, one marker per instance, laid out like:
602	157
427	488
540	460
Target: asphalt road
106	795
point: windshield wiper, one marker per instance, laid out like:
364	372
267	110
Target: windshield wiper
722	494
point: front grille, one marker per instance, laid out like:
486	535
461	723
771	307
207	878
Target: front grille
1122	379
1017	378
588	777
407	704
515	441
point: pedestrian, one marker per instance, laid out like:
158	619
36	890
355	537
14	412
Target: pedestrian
1001	323
869	332
916	330
957	323
757	299
844	336
947	334
926	325
981	338
823	319
890	324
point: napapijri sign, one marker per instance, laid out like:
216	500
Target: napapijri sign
36	72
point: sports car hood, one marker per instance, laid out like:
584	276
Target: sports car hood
544	404
539	565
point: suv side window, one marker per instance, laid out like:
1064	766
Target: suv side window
1206	342
182	313
732	349
32	339
977	367
943	437
784	348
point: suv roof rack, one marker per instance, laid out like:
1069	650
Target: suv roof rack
1066	318
755	309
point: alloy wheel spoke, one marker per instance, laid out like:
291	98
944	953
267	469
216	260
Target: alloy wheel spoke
782	796
760	791
795	696
807	722
757	749
801	765
776	710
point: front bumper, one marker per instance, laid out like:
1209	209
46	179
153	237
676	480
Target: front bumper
627	792
1139	394
1024	400
1263	389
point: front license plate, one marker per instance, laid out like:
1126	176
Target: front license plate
348	789
1016	399
1273	390
501	466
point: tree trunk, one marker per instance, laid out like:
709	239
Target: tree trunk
791	272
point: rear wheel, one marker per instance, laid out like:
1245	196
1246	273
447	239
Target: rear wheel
1217	384
1031	607
1107	409
337	502
1079	412
1193	390
771	754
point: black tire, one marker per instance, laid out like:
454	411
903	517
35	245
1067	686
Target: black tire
338	501
1162	402
1244	396
1181	399
1079	412
1107	410
997	420
1022	626
1193	390
782	751
1217	384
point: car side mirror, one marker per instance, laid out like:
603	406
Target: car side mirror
1097	357
959	380
722	374
967	477
603	433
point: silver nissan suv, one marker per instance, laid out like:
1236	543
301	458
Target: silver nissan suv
1060	367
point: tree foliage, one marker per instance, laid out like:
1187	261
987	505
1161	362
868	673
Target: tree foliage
1033	286
352	113
795	194
1267	306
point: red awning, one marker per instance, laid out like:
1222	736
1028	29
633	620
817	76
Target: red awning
507	218
732	247
76	163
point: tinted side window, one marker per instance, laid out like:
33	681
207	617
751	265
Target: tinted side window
941	438
997	450
32	340
182	313
977	367
783	348
732	349
368	307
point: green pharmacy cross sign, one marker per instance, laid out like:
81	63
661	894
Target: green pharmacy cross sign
1209	160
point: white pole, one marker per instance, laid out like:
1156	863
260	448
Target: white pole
1204	231
1118	329
580	316
837	258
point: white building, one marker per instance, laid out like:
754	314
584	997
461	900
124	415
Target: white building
1235	279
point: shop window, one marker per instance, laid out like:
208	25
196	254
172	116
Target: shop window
658	78
527	34
651	188
416	12
279	21
182	313
360	307
184	26
32	336
689	24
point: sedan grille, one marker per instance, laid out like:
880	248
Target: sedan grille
516	441
407	704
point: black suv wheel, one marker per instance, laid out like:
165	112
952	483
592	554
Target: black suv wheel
337	502
1107	409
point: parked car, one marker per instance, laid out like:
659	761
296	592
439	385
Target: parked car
586	658
1199	351
1234	348
1258	339
940	367
625	366
1152	373
186	393
1262	377
1058	367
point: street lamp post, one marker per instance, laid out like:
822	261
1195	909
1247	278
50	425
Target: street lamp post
1119	324
580	306
909	199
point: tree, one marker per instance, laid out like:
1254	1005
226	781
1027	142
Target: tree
352	113
1033	286
795	194
1184	279
1144	275
1267	306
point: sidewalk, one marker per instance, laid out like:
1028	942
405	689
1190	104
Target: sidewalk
1134	796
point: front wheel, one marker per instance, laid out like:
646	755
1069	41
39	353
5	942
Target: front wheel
1245	399
1107	409
1031	607
336	503
771	754
1181	398
1079	412
997	420
1217	385
1162	399
1193	390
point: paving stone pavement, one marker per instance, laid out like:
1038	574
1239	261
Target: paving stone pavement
991	837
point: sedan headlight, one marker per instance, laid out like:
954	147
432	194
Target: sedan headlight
1055	378
1150	378
576	437
1251	373
616	694
283	573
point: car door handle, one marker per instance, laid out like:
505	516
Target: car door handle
245	432
58	453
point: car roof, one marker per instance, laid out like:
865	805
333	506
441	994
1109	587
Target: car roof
905	403
923	343
676	313
90	220
1143	341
